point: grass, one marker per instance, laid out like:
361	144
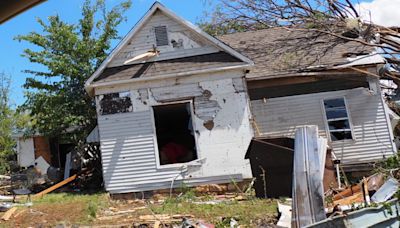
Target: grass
64	208
69	209
90	203
247	212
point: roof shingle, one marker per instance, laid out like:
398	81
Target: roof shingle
282	50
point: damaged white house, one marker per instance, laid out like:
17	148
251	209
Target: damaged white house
175	104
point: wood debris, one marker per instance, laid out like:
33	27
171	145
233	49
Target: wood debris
54	187
8	214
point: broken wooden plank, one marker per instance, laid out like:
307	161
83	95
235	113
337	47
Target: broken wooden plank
19	213
347	192
8	214
356	198
54	187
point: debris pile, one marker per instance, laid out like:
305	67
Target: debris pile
373	198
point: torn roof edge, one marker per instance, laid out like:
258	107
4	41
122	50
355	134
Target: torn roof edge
158	6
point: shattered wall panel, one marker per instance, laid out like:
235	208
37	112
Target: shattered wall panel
205	108
42	148
279	117
177	92
181	41
113	103
222	130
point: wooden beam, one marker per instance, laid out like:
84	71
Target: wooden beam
54	187
8	214
304	79
280	82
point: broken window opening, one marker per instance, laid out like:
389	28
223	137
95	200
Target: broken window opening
175	133
113	103
338	122
161	34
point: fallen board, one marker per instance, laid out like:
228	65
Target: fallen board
54	187
8	214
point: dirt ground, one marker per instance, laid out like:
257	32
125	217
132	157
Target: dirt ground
99	210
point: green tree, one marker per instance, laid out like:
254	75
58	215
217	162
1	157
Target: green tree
7	123
56	98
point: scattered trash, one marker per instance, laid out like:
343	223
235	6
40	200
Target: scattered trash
285	211
6	198
5	206
233	223
388	189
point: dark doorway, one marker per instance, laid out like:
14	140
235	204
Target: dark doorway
175	135
272	165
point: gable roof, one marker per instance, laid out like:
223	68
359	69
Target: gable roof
169	67
158	6
282	51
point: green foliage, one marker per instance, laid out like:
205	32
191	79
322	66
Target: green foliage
218	29
10	120
389	163
56	98
7	144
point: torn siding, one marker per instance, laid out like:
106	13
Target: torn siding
277	117
128	141
186	43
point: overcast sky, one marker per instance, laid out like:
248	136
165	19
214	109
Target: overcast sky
382	12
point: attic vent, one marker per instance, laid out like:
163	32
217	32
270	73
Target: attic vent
161	35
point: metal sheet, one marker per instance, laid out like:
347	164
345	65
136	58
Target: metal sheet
308	202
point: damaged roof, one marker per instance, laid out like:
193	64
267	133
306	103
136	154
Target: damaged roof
279	51
11	8
171	66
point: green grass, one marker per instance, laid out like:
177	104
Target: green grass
245	212
92	202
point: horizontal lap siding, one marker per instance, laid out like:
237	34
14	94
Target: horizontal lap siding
279	117
128	153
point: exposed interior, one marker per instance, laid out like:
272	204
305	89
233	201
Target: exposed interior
113	103
175	135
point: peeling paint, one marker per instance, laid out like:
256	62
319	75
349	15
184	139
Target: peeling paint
238	85
176	92
143	94
205	108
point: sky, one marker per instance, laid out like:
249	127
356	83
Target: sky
384	12
13	63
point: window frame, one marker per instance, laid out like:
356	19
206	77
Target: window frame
348	118
156	150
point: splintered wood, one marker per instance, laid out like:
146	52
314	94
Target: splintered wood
8	214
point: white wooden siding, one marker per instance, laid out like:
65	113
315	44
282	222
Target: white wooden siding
127	146
144	40
128	143
26	152
279	117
